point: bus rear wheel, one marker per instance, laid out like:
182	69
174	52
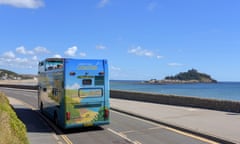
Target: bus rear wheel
55	118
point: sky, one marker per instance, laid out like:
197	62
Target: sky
141	39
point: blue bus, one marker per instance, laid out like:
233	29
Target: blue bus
74	92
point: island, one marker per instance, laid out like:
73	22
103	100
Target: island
191	76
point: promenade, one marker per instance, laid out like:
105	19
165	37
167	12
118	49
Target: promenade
223	126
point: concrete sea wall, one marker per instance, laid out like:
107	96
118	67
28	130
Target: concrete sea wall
220	105
30	87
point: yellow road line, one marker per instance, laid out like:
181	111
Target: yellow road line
191	135
66	139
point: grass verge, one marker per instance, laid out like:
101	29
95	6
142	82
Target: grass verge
12	130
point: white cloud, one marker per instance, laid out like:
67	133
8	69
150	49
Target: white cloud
82	54
18	62
175	64
33	4
100	47
9	55
152	6
22	50
159	57
116	73
10	59
103	3
40	49
74	86
141	52
57	56
115	68
71	51
35	58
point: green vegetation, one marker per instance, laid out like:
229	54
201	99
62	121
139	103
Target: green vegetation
190	76
6	74
12	130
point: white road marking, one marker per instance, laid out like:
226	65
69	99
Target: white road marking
57	138
123	136
130	131
27	95
168	128
153	128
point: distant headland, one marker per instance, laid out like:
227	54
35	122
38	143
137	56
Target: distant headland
191	76
10	75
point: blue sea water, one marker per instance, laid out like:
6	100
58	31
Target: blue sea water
220	90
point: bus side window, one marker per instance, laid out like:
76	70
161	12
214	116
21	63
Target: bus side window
50	68
41	63
59	66
55	92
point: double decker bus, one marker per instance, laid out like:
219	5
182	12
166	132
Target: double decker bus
74	92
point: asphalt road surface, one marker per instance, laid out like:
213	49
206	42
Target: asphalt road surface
124	129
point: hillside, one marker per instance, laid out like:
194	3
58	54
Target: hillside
191	76
10	75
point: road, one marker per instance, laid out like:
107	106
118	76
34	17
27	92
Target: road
124	129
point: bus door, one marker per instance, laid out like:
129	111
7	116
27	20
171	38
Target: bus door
86	101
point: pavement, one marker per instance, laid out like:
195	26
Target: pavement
38	131
223	127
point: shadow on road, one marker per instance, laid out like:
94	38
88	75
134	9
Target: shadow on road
82	130
35	123
32	120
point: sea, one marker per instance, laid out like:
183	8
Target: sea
221	90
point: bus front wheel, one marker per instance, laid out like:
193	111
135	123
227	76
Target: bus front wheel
41	107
